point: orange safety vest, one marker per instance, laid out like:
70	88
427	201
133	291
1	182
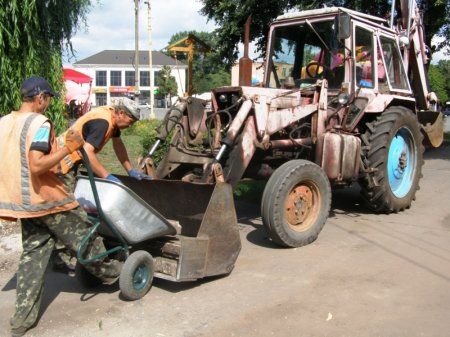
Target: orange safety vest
103	112
23	194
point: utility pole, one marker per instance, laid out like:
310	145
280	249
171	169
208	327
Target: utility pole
136	52
150	60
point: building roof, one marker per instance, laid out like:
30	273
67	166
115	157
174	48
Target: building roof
126	58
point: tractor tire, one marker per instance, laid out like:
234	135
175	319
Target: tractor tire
137	275
296	202
395	152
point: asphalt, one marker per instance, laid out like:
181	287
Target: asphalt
367	274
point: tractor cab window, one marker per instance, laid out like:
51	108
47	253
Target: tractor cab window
300	55
395	70
364	56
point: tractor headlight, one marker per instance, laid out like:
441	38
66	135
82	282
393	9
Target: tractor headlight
223	98
343	98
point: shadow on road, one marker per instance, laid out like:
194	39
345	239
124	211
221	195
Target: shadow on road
346	201
442	152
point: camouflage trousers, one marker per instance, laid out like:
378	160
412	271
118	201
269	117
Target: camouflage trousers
62	256
38	241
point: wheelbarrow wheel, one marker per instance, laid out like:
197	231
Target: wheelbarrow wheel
137	275
85	277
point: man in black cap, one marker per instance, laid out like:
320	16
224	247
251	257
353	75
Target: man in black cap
30	190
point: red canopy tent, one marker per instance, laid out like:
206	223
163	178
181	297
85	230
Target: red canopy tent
74	91
76	76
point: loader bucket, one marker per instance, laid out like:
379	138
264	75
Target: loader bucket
432	125
209	241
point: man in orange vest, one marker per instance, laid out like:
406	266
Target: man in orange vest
30	190
97	127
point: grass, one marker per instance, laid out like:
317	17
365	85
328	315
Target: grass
109	160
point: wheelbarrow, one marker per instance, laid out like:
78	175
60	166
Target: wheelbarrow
173	230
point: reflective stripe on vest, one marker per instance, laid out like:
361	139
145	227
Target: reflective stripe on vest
21	194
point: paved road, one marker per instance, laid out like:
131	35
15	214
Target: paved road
366	275
159	113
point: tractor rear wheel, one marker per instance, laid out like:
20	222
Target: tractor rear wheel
296	203
395	152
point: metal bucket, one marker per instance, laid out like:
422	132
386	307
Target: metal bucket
432	123
209	240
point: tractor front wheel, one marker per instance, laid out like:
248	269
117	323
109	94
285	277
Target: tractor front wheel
296	203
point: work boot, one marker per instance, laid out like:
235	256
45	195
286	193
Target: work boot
17	332
113	272
107	271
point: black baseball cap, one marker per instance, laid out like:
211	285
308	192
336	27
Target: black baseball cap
33	86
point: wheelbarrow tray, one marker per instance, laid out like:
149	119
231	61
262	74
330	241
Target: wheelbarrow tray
132	217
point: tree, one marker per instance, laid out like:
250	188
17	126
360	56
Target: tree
208	69
437	83
33	36
167	84
439	79
231	15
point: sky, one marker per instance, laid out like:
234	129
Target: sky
111	25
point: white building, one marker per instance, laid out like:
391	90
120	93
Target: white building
257	73
113	74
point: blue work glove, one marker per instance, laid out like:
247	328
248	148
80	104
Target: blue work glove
110	177
138	175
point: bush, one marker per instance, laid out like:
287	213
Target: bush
250	190
147	131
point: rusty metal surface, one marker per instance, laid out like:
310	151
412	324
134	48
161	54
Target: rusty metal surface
196	116
432	122
300	207
340	157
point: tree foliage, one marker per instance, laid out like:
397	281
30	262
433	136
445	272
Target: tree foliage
166	83
33	35
231	15
208	69
439	79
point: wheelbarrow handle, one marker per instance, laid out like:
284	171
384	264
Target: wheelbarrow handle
101	216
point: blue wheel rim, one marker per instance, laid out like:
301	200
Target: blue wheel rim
401	162
140	277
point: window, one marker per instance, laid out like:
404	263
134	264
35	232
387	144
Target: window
115	78
144	79
304	55
100	98
364	58
157	77
100	78
144	97
394	65
129	78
